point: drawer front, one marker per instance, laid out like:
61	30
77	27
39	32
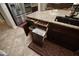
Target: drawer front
66	30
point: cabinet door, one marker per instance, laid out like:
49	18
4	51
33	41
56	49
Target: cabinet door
54	36
64	36
34	8
70	42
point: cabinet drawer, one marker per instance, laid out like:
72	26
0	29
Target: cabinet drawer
64	29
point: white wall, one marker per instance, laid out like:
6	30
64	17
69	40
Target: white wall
5	12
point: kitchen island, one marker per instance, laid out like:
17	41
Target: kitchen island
50	15
64	34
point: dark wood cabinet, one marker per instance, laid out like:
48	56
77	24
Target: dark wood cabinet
34	8
25	27
59	5
65	36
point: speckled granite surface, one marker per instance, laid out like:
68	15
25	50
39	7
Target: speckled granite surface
14	41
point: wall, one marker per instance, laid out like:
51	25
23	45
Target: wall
5	12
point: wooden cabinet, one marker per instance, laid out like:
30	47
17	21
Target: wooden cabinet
65	36
25	27
59	5
34	8
38	23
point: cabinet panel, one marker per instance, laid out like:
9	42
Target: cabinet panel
34	8
67	37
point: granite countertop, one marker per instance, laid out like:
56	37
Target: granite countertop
50	15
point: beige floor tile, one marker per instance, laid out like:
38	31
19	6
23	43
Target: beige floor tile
14	41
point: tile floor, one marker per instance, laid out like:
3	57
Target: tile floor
14	41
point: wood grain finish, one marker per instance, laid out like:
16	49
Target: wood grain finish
51	49
65	36
25	27
34	8
59	5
